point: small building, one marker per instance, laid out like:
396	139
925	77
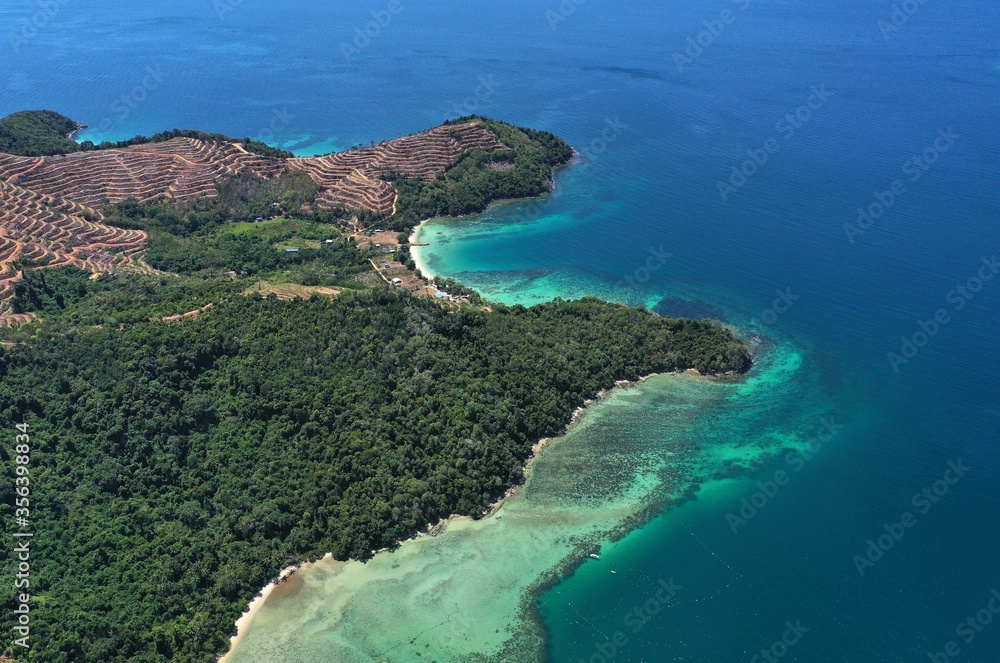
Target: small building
439	295
329	241
291	250
397	281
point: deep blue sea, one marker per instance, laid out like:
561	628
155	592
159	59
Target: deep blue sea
729	150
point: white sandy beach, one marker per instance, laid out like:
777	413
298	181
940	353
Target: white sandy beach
416	250
251	611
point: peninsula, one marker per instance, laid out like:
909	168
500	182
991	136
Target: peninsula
228	366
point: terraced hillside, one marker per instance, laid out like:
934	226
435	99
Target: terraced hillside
355	179
49	205
181	168
53	232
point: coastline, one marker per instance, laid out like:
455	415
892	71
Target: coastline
416	245
415	251
494	564
73	134
255	605
493	511
576	418
414	238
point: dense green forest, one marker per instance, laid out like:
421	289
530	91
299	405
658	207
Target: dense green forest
481	177
178	467
37	133
68	297
42	133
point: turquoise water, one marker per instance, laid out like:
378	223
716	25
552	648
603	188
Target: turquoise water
467	592
641	220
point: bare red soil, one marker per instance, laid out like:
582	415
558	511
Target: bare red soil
353	179
49	205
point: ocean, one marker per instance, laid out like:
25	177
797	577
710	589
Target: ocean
823	177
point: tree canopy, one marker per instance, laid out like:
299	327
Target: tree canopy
180	466
37	133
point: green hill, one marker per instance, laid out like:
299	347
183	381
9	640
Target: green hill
37	133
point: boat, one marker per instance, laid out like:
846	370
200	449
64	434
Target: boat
595	556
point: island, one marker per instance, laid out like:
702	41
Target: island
228	365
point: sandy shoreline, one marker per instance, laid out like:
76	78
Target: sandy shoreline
415	251
343	582
578	415
435	529
415	233
254	607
